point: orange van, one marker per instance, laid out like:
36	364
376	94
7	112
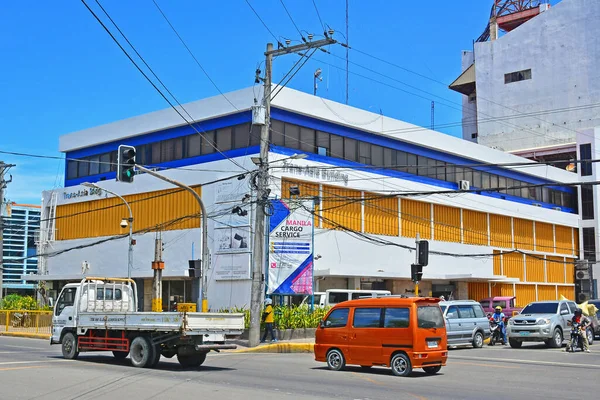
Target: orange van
395	332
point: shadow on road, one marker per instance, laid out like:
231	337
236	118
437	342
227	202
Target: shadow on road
162	366
378	371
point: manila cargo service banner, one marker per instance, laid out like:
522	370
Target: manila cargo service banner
291	231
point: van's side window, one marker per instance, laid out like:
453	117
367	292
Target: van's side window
367	318
335	298
466	311
485	304
396	318
452	312
337	319
478	311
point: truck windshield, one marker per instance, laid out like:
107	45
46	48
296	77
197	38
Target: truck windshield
540	308
430	317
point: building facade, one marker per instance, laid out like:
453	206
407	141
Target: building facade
21	227
512	230
531	90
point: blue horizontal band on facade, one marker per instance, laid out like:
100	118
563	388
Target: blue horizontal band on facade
313	123
291	252
329	127
414	178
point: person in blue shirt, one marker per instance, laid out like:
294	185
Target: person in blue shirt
499	317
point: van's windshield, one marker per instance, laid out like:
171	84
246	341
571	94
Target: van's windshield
430	316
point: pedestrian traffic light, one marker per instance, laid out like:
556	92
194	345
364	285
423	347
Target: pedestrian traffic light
416	272
423	253
125	163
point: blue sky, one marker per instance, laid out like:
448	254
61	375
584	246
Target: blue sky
61	72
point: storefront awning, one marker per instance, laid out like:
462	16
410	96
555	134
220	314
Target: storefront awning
465	83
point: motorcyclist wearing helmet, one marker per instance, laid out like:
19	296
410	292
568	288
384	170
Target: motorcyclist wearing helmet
579	318
499	317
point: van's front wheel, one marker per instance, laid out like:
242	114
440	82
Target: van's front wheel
335	360
69	346
401	365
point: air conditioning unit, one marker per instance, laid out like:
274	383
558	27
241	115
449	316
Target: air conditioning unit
464	185
582	275
581	297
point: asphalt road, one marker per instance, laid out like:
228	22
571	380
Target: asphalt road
32	369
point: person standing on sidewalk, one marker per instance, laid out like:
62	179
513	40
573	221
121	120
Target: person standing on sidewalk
268	319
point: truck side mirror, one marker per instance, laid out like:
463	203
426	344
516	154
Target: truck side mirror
50	301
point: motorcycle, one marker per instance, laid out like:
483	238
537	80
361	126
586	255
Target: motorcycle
495	331
576	337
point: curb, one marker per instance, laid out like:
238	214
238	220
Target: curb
43	336
279	348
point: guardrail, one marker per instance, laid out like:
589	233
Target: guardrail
26	322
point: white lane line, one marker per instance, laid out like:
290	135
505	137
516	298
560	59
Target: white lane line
566	363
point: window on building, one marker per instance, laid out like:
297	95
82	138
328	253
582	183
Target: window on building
350	149
277	133
224	139
585	153
323	143
193	145
94	166
589	244
241	136
474	135
587	202
337	146
411	163
208	142
155	153
377	155
364	153
71	169
307	140
517	76
254	135
83	168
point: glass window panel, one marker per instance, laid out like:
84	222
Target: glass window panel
476	180
451	173
94	166
337	146
208	142
224	139
193	145
401	161
485	180
241	136
83	168
71	169
255	135
431	169
140	156
166	150
376	155
177	149
502	183
277	133
307	140
113	161
292	136
396	318
460	174
367	318
350	149
364	153
494	181
411	162
337	318
104	163
389	158
156	153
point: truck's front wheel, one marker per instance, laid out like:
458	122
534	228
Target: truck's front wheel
191	360
69	346
141	352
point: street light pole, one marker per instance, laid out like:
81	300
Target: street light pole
202	302
130	220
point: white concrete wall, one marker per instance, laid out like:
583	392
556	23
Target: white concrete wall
561	48
469	118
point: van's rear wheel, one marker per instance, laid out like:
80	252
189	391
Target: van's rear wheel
335	360
401	365
432	370
141	352
69	346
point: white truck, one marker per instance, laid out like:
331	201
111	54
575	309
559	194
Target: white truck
100	314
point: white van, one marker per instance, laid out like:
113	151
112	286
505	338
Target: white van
335	296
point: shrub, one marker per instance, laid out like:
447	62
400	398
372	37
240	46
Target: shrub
287	317
18	302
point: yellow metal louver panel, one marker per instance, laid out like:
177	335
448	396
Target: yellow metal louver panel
546	292
308	190
514	264
446	223
555	269
567	291
164	210
341	208
416	218
475	227
523	230
535	268
497	263
544	237
500	231
381	214
564	239
478	290
570	270
576	241
525	294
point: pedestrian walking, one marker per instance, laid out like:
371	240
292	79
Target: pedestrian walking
268	319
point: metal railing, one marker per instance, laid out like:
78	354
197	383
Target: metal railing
26	321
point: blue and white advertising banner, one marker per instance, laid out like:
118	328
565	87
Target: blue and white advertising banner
291	234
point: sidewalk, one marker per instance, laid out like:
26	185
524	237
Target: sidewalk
287	346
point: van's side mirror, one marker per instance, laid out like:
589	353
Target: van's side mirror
322	324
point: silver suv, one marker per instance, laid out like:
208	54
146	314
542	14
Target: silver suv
541	321
466	323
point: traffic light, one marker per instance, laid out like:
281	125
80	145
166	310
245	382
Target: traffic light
125	163
416	272
423	253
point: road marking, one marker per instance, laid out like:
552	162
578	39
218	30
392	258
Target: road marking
17	368
532	362
483	365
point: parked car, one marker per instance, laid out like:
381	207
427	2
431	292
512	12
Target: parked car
541	321
400	333
595	318
506	302
466	322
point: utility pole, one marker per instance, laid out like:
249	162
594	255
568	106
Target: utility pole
157	266
347	55
3	168
417	240
262	183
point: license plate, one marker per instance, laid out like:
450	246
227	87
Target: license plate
432	343
525	333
